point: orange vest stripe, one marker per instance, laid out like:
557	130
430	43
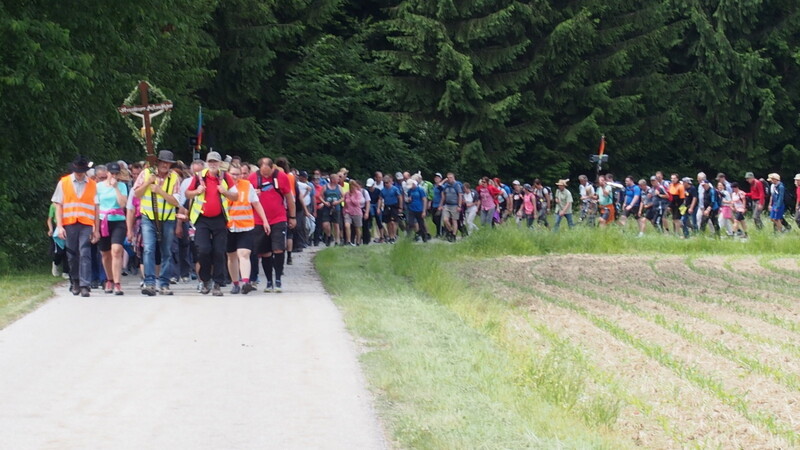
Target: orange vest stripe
78	209
240	211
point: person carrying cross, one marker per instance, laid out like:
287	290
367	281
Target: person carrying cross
157	188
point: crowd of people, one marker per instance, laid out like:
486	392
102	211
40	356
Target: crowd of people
218	221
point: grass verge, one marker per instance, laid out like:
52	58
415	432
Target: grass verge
22	293
440	380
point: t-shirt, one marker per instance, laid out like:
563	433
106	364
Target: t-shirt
304	190
416	196
107	196
470	197
390	196
677	190
451	192
52	213
437	195
213	204
757	192
632	192
352	203
487	194
739	201
528	202
564	198
271	198
691	193
586	190
604	196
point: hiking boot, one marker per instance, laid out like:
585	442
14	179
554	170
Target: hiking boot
149	291
269	287
216	292
288	260
109	287
118	289
278	286
75	288
206	288
85	292
165	290
236	289
247	288
95	284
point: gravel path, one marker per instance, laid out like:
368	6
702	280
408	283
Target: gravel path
186	372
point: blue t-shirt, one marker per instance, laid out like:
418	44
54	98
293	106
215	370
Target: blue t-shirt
451	192
391	196
107	197
778	196
437	195
416	196
630	193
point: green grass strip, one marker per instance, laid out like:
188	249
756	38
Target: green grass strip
22	293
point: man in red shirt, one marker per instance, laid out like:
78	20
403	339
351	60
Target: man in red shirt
275	194
756	194
207	189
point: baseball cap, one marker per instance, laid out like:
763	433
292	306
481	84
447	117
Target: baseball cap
653	178
797	177
303	173
720	175
526	186
113	167
398	175
515	182
749	175
439	175
686	180
213	156
370	182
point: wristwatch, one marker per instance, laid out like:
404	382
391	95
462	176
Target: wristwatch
292	217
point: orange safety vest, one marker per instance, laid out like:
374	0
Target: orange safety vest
240	211
78	209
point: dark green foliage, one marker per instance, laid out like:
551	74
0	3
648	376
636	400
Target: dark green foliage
517	88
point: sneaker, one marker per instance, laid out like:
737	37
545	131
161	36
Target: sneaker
269	287
278	286
641	234
55	270
65	276
165	290
247	288
206	287
149	291
85	292
109	287
75	289
95	284
216	292
173	280
118	289
352	244
236	289
184	279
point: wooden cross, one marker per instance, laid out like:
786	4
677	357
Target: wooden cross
146	111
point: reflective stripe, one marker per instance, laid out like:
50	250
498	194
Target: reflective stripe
78	209
246	207
200	200
78	214
165	210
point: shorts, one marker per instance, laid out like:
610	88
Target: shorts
450	212
329	214
117	231
739	216
652	213
777	214
275	242
632	212
675	208
242	239
607	212
356	219
391	213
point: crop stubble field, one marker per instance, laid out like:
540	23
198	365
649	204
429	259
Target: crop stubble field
667	350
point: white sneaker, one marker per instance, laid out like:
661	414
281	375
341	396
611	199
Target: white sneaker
641	234
65	276
55	270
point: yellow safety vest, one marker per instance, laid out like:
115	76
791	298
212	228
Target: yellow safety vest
200	200
165	210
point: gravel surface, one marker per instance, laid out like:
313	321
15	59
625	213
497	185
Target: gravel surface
186	372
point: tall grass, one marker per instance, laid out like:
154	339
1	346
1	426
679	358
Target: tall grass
508	239
22	293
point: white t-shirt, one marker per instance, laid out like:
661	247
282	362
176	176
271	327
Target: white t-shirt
302	190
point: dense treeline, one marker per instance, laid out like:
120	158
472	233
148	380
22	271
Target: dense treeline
520	88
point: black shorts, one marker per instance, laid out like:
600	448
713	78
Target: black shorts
275	242
242	239
391	213
117	231
325	214
738	216
675	208
631	212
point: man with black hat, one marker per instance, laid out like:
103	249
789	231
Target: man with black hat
157	188
77	223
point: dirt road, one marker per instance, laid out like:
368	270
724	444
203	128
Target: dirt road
186	372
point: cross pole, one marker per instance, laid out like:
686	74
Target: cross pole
143	110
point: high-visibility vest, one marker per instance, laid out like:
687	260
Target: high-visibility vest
165	210
240	212
200	200
78	209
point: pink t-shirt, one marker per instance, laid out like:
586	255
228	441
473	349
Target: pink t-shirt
352	203
527	202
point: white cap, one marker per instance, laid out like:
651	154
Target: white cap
515	183
213	156
370	182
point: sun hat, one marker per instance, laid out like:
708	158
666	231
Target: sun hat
213	156
562	182
774	176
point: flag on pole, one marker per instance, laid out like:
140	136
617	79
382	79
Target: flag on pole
199	128
602	145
